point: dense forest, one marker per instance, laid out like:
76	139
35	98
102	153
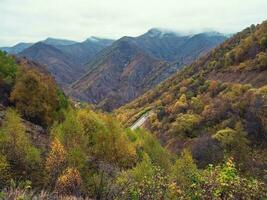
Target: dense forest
205	138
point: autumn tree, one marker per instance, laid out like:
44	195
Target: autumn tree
17	147
263	42
181	104
234	142
196	104
113	146
55	161
213	87
8	68
149	181
262	60
71	135
151	146
186	175
4	171
35	96
69	183
185	124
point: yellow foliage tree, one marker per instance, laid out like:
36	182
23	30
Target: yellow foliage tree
181	104
4	171
69	183
35	96
56	159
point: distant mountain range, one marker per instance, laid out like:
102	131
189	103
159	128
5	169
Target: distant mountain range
111	73
62	66
17	48
133	65
64	58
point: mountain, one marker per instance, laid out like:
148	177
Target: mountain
65	58
22	46
131	66
223	90
84	51
119	74
60	65
172	46
17	48
198	45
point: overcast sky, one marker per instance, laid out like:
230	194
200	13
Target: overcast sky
33	20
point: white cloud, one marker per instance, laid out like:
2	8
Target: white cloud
32	20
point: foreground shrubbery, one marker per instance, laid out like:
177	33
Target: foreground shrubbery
90	155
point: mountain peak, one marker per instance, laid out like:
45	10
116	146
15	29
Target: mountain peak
160	32
93	39
213	33
97	39
41	45
155	32
56	41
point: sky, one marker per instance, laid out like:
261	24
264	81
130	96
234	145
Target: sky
35	20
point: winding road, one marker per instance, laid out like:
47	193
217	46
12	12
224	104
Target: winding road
141	120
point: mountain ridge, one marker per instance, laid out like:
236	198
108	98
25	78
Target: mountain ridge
125	55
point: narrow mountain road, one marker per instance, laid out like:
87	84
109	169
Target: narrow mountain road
141	120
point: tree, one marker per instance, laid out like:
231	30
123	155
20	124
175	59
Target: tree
69	183
263	42
197	104
234	142
55	161
181	104
149	181
16	145
185	124
8	68
71	135
35	96
4	171
151	146
213	87
206	150
262	60
186	175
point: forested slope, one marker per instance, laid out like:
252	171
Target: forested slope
217	106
